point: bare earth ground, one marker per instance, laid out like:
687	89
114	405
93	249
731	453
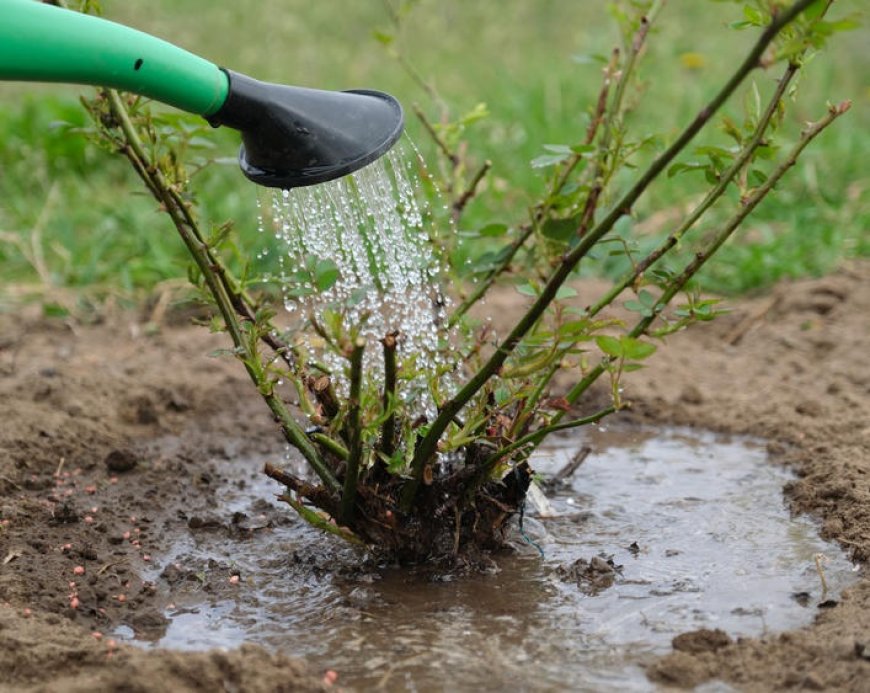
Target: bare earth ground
80	404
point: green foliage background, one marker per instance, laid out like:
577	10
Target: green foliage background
535	66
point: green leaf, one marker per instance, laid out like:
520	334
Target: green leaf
54	310
492	230
753	15
566	292
582	148
299	292
636	350
638	307
611	346
757	176
527	290
589	58
546	160
574	329
325	274
558	148
479	112
561	230
383	37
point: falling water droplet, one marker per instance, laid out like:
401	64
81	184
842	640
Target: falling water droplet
370	227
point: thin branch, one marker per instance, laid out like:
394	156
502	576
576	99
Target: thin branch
543	210
470	191
709	200
612	118
677	284
483	285
332	445
427	447
322	523
189	232
388	430
748	205
351	476
433	133
541	433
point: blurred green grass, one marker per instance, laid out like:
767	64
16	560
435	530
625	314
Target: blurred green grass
95	227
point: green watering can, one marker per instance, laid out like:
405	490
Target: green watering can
291	136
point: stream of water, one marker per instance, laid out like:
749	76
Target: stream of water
355	250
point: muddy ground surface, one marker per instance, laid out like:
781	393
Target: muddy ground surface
111	434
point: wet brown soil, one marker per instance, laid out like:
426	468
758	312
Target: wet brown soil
83	485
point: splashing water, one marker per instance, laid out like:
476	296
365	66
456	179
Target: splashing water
357	247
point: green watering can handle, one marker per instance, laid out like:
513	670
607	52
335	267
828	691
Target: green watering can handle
43	43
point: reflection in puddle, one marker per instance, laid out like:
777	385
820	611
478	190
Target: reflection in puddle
697	523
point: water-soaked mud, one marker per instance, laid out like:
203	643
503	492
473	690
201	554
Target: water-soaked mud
85	484
651	566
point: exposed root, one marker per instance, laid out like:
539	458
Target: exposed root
447	524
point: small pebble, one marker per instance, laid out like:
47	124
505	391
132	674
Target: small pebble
330	677
234	579
27	613
74	602
122	598
88	519
79	570
97	635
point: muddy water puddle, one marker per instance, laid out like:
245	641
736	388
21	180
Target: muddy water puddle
675	531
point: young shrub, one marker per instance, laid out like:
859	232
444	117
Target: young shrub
441	482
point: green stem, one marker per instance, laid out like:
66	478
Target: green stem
531	404
333	446
612	118
348	496
187	228
320	522
483	285
748	205
545	431
709	200
427	447
719	238
388	430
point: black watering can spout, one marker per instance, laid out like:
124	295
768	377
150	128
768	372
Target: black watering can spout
294	136
291	136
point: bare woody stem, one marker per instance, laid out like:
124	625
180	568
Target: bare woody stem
602	114
348	496
470	191
451	156
715	193
709	200
612	118
188	229
388	430
545	431
428	445
679	282
748	205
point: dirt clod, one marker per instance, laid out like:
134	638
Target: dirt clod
121	460
703	640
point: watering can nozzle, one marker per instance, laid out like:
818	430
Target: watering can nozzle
293	136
